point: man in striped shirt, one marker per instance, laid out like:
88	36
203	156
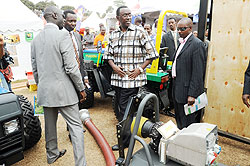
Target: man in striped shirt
129	51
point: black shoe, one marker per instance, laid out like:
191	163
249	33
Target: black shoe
115	147
61	153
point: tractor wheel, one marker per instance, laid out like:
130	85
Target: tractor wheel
116	109
32	124
89	102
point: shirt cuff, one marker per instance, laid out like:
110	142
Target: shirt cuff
86	77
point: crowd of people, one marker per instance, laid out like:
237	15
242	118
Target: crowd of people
58	70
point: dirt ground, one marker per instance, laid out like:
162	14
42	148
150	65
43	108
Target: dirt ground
233	152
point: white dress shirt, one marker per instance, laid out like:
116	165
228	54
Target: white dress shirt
183	42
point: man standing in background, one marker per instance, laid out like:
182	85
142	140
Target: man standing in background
100	37
88	39
69	25
246	89
57	76
171	39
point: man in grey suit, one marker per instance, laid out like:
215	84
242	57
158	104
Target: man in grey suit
58	77
188	72
246	89
69	25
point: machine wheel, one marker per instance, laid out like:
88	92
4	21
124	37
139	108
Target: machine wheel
32	124
89	102
148	111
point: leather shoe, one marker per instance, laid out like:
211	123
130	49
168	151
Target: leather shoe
115	147
61	153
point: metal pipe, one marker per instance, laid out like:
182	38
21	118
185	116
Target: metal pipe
101	141
137	122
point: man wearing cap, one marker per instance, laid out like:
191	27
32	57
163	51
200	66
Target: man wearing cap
188	73
88	39
246	89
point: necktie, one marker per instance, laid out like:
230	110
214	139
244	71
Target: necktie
181	40
77	57
175	39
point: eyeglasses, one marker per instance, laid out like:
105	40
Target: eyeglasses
126	15
182	28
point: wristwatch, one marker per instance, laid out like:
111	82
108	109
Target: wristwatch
141	69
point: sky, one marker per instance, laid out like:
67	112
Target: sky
101	5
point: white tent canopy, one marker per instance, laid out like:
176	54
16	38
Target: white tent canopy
16	20
16	16
92	21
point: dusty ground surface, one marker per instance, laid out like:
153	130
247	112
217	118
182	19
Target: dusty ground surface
233	152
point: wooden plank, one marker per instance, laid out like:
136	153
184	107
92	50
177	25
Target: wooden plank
229	55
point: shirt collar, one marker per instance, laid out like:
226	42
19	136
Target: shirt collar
181	40
131	27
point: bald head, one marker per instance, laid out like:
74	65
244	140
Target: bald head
54	15
186	21
184	27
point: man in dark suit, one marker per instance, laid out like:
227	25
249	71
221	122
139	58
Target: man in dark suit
58	77
69	25
246	89
171	39
188	72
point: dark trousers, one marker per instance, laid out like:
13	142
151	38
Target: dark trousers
181	118
122	96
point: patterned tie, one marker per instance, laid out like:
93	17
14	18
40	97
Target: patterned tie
77	57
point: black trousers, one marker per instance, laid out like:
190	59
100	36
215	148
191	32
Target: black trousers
122	96
181	118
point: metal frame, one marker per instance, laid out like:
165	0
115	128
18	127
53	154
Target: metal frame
136	127
155	63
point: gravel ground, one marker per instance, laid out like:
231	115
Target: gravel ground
233	152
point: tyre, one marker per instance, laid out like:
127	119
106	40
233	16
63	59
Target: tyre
116	109
32	124
148	111
89	102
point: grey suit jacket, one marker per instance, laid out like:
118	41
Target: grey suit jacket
246	89
190	70
168	41
80	48
55	68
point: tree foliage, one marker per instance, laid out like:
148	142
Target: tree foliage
43	4
119	3
29	4
67	7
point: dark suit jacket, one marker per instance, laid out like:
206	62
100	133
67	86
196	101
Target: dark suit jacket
190	70
246	89
168	41
80	48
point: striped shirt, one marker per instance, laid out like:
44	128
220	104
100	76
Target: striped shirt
129	49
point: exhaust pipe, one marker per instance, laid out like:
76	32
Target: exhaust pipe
101	141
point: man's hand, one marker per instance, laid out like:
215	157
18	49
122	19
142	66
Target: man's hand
191	100
134	73
84	95
119	71
246	99
86	81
